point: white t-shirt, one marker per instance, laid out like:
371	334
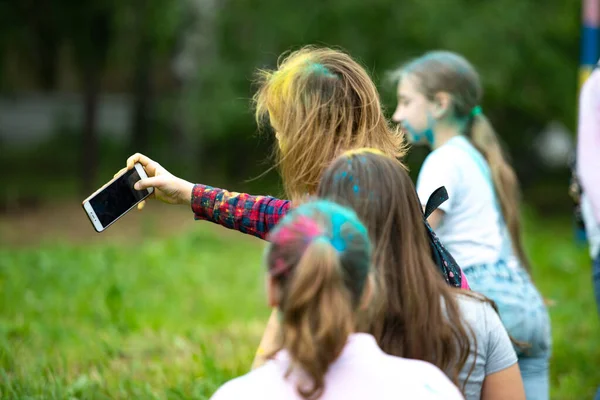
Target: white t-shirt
363	371
494	350
470	229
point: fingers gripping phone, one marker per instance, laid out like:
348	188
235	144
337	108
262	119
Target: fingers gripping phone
116	198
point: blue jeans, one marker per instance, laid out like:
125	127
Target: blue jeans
525	317
596	278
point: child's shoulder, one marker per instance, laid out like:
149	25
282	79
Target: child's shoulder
446	155
479	313
253	383
421	379
408	367
473	307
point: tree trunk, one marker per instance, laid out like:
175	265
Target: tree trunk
197	50
48	59
180	142
142	87
89	153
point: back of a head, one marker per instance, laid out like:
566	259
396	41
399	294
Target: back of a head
319	257
408	317
444	71
321	102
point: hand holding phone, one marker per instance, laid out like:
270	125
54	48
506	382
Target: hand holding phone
167	187
116	198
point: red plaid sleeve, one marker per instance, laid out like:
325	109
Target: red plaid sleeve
254	215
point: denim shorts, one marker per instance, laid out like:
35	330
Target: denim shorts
596	280
520	305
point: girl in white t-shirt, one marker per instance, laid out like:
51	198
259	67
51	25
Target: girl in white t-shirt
439	97
318	261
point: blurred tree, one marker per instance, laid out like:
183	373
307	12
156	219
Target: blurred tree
526	52
196	52
28	30
89	31
155	27
45	39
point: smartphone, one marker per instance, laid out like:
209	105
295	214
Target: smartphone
116	198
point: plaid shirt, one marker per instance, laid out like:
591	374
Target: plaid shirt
254	215
257	215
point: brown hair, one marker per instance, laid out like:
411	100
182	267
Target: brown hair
443	71
319	257
415	313
321	102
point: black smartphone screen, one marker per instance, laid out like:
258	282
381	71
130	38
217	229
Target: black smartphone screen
117	198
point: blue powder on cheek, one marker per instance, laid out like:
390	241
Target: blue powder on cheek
426	134
429	135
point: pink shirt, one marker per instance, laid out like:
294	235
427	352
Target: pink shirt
588	141
363	371
588	158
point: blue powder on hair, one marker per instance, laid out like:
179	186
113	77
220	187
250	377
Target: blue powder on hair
356	189
340	175
319	68
337	213
337	241
338	216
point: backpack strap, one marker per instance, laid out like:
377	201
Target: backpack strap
437	198
446	264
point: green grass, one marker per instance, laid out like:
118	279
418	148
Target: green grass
167	319
563	273
175	318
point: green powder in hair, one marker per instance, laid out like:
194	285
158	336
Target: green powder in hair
319	68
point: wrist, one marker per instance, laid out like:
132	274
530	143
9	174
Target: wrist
185	192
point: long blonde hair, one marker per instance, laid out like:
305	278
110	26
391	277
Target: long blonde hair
443	71
321	102
319	256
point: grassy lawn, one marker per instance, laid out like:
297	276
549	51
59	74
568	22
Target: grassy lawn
173	318
168	318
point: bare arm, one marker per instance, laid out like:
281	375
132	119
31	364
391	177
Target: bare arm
435	218
504	385
268	343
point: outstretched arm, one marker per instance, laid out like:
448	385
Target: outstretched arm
254	215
